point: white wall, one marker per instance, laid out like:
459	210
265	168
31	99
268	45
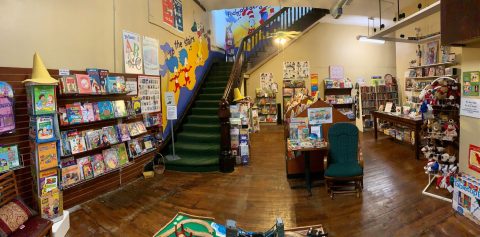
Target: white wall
328	44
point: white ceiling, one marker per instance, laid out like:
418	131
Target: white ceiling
356	13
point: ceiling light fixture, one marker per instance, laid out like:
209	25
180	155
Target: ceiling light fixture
362	38
281	41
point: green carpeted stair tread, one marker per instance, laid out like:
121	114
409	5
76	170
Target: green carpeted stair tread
193	148
195	163
218	78
215	84
199	137
206	119
210	96
207	103
204	111
213	90
201	128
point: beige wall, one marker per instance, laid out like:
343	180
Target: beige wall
328	44
469	127
78	34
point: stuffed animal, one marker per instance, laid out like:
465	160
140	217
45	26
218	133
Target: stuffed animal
452	159
445	157
450	130
436	129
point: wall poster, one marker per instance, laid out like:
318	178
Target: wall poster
266	80
320	115
150	56
173	13
132	53
474	158
149	93
296	70
471	83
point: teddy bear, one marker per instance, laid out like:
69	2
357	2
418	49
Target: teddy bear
450	130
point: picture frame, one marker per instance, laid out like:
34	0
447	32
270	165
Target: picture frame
432	53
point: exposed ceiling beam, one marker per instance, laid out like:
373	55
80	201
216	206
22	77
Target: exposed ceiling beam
430	10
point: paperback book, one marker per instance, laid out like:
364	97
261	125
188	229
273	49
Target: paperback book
110	158
94	80
86	169
48	180
70	175
84	84
105	109
122	131
10	153
4	166
134	148
122	154
77	142
50	204
62	111
41	99
103	74
98	165
88	115
149	142
110	133
120	109
115	84
47	155
65	149
68	84
93	139
42	128
74	113
137	104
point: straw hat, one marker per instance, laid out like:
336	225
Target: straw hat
237	95
40	74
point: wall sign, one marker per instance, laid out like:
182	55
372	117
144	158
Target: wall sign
171	112
150	56
149	93
474	158
132	53
131	86
470	107
170	98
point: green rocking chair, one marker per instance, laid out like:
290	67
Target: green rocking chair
344	162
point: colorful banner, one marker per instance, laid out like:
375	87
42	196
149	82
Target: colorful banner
314	83
168	16
178	13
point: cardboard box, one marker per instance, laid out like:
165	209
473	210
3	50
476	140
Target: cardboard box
466	197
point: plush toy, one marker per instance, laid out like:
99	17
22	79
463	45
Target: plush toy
450	130
445	157
428	168
452	159
440	149
436	129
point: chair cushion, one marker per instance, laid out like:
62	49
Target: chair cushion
13	215
35	226
343	170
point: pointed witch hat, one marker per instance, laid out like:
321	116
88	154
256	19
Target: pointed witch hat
40	74
237	95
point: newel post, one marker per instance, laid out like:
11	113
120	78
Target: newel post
226	162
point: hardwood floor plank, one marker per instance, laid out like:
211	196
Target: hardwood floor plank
391	203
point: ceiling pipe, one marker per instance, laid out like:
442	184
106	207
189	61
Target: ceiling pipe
337	9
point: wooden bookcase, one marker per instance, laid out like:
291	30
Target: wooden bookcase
369	99
83	191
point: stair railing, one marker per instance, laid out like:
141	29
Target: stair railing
251	44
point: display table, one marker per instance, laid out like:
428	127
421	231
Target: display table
413	123
306	154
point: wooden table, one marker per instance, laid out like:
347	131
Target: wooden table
412	123
306	156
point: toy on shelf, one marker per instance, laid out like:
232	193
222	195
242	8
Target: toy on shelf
7	117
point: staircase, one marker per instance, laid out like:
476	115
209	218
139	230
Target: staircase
197	143
203	142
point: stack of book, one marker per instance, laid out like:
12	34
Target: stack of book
339	99
336	84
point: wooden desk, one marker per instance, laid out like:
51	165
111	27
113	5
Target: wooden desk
306	156
413	124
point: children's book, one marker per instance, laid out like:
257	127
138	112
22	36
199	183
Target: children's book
116	84
93	139
42	99
122	154
62	111
96	111
130	110
98	165
94	80
85	166
88	113
7	114
110	133
4	165
68	161
70	175
47	155
134	148
133	129
110	158
69	84
48	180
148	142
141	127
103	74
122	131
11	152
51	204
42	128
65	144
77	143
84	84
137	104
105	109
74	113
120	109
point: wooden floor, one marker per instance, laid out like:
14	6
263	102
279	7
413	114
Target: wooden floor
391	205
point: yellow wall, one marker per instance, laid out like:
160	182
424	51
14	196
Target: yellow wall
328	44
79	34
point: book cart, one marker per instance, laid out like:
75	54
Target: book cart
295	167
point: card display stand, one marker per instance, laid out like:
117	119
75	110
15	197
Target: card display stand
240	127
295	167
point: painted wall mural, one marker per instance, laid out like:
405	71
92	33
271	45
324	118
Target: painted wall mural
231	25
185	62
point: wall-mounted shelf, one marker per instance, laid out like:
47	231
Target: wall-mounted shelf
446	64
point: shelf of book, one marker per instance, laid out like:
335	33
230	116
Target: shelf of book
100	175
370	98
105	122
446	64
429	77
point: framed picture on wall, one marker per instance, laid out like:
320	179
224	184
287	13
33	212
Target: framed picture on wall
432	53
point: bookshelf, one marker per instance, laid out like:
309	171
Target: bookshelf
338	93
266	101
370	98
